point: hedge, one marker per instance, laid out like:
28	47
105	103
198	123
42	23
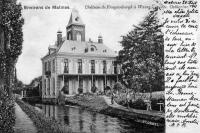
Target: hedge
44	124
7	113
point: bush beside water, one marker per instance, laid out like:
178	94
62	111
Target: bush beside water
44	124
140	103
88	100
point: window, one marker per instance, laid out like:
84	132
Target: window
69	37
104	67
93	82
77	19
45	66
53	86
86	50
79	65
65	89
78	37
115	67
93	86
49	66
92	66
105	83
45	87
66	69
73	48
80	89
53	66
92	49
81	83
49	85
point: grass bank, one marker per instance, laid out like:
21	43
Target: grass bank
44	124
98	104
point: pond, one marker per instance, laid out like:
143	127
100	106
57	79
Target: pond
90	122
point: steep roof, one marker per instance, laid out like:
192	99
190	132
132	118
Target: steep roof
80	47
75	18
85	48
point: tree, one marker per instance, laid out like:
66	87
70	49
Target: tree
11	23
117	86
142	56
11	39
37	79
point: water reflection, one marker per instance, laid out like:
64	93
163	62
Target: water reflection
85	121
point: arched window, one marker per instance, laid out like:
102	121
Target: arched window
93	48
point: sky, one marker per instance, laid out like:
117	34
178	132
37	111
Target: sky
41	26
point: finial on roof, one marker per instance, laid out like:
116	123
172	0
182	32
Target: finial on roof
100	39
59	31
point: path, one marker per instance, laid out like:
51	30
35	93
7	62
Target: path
115	105
23	123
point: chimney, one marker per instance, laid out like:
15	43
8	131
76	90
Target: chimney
59	37
100	39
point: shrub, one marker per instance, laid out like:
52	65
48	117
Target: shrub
93	89
7	113
118	86
32	100
80	90
65	90
138	104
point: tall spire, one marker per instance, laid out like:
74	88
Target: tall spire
75	18
75	29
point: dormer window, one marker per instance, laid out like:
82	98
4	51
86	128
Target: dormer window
86	50
77	18
92	49
104	51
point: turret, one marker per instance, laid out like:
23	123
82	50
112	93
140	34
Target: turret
100	39
75	28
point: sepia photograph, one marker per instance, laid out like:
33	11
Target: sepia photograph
81	66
